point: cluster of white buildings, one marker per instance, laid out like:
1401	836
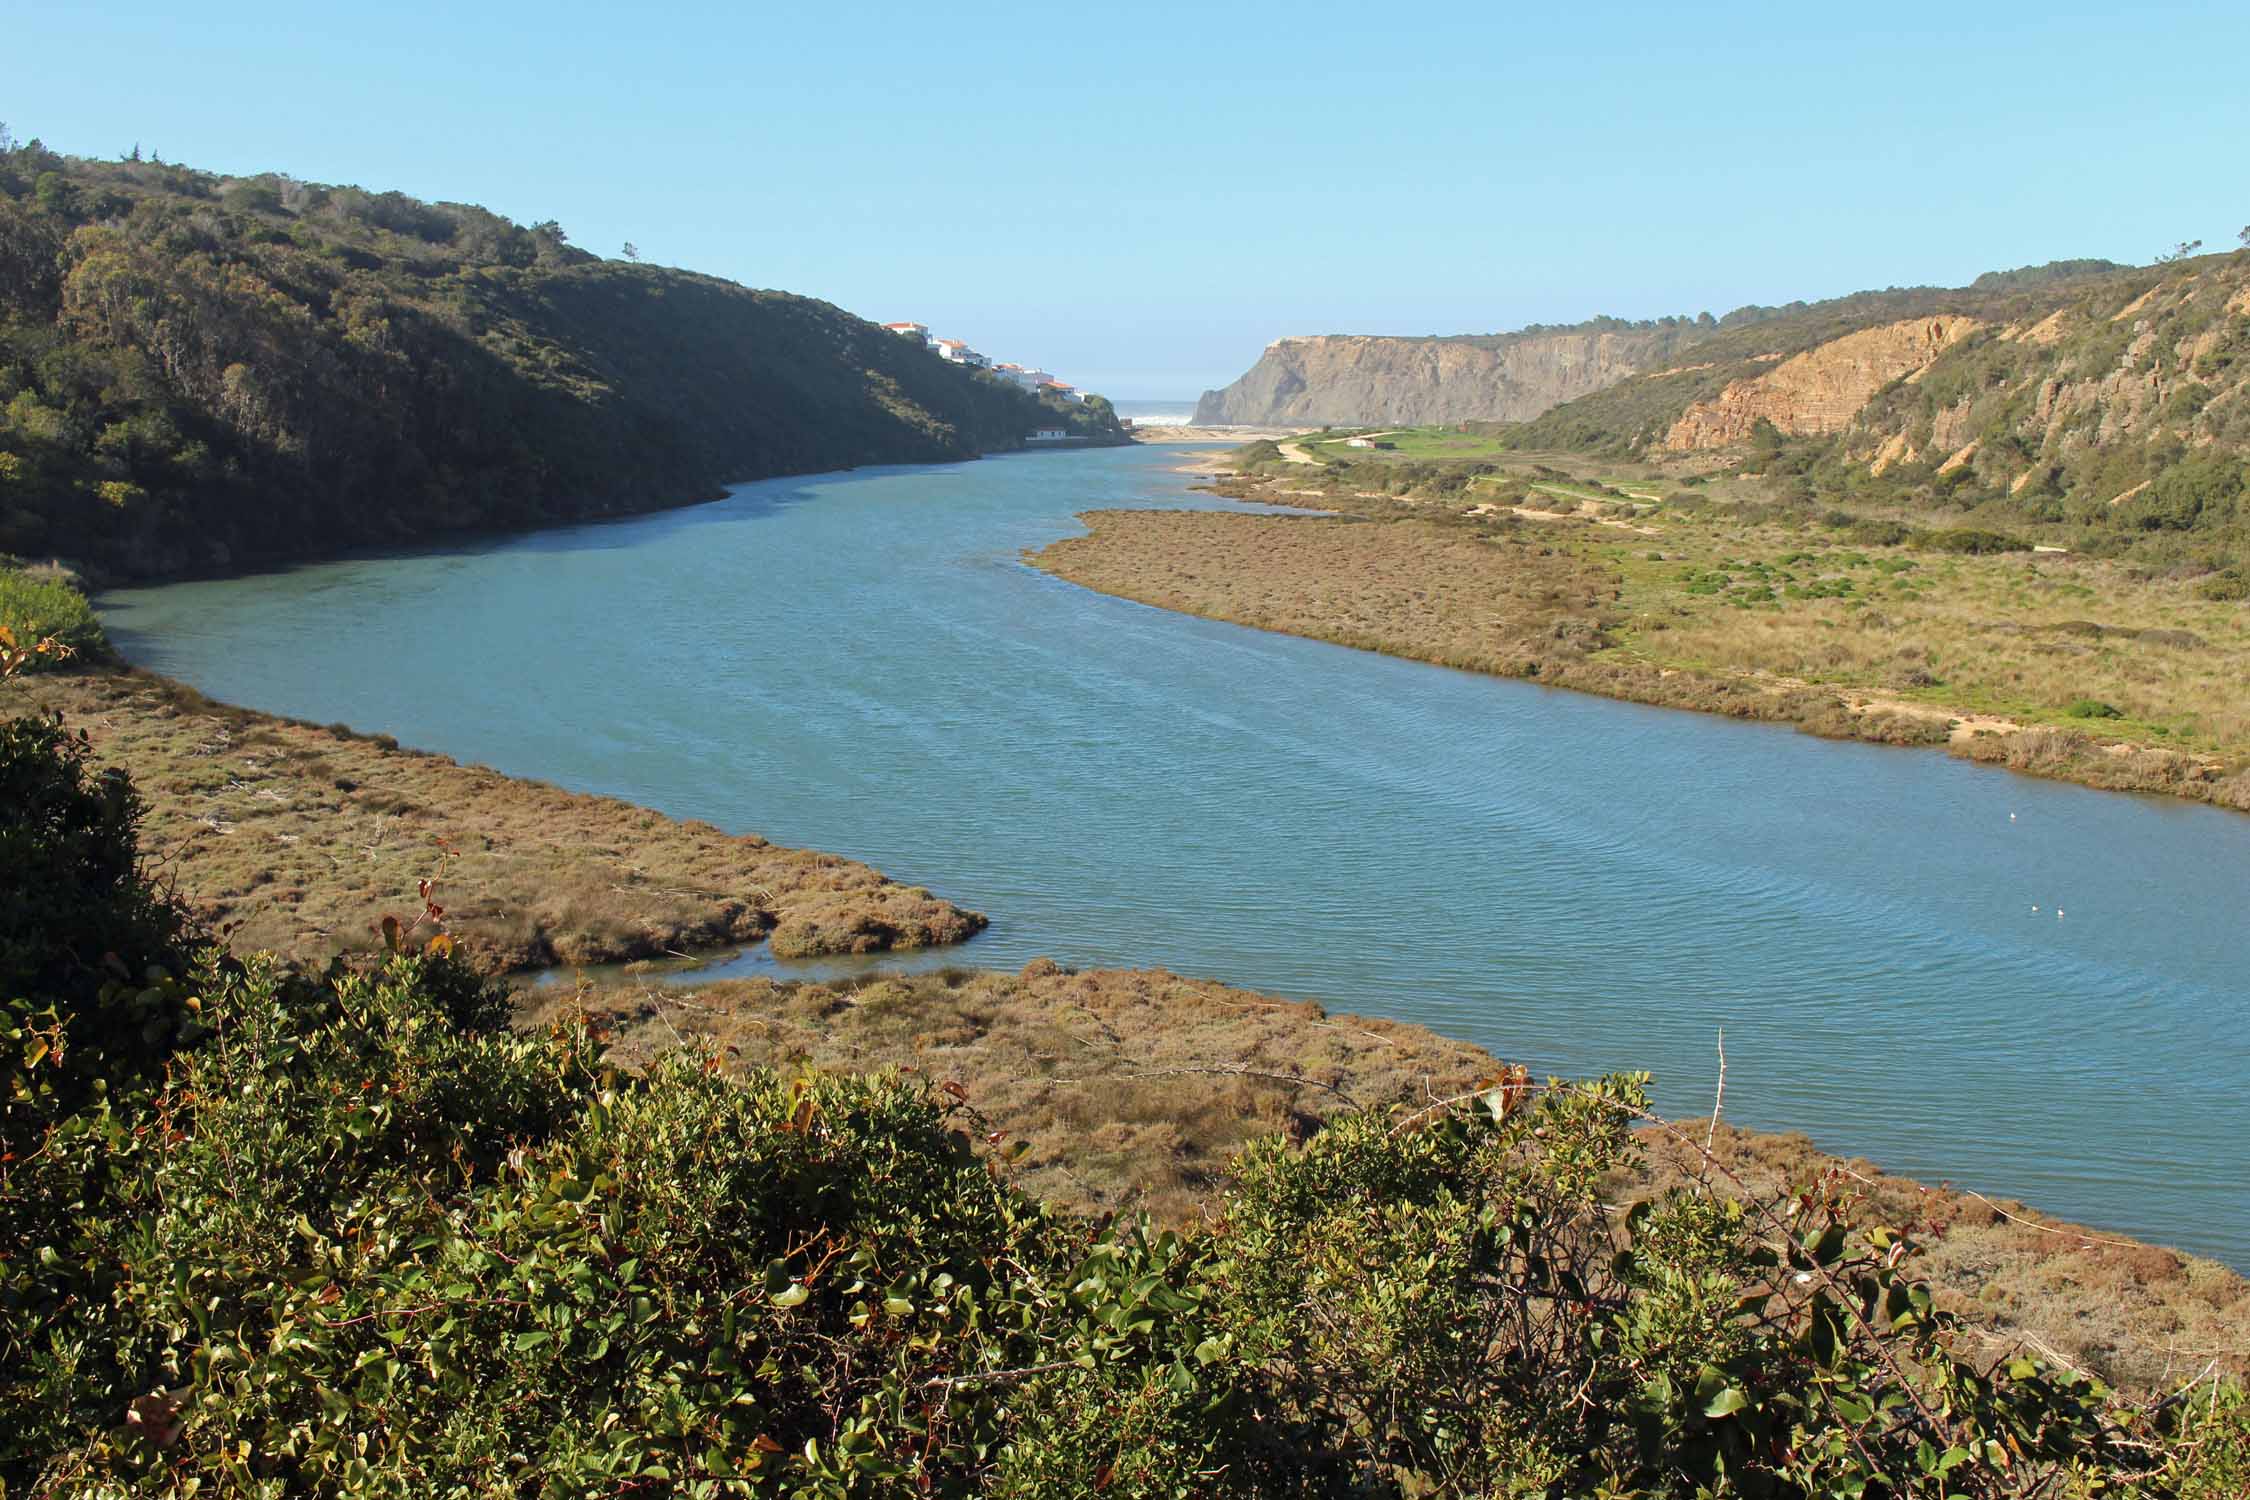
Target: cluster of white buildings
953	351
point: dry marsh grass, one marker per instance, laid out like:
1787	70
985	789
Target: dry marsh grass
296	839
2128	1311
1132	1090
1492	599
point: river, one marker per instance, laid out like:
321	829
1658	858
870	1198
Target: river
2021	986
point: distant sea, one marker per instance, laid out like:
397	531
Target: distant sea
1157	413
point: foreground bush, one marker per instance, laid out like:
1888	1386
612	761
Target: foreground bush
365	1240
359	1238
33	609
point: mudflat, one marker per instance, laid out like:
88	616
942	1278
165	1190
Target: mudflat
298	839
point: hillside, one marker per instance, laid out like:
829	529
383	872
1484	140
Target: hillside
2117	402
1647	365
200	372
1503	377
2111	399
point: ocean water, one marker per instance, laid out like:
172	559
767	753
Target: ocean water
1158	413
862	663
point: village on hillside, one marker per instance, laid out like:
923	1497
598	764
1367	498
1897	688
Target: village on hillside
956	352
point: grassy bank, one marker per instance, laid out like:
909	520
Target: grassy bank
293	838
1134	1090
2102	671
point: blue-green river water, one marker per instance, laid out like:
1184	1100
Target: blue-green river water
859	662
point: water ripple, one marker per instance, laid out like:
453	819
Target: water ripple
861	663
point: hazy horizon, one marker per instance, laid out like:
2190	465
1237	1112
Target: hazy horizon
1141	204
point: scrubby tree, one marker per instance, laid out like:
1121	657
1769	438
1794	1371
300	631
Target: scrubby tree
54	195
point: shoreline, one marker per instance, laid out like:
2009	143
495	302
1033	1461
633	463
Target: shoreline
2044	1247
96	580
1147	556
210	772
297	838
1128	1089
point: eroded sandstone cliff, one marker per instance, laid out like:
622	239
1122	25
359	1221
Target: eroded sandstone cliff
1821	390
2134	400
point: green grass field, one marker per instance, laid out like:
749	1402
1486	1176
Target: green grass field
1409	443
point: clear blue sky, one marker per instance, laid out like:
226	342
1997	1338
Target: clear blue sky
1139	197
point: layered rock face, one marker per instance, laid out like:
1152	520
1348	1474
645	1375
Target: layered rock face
2077	393
1820	390
1353	378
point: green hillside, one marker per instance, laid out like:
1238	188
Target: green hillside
200	372
1633	415
2114	401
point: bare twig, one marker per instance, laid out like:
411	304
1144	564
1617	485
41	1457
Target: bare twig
987	1377
1719	1097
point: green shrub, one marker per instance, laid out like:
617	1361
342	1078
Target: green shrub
34	609
2225	586
2213	1460
1877	533
90	1009
76	914
1967	540
2093	708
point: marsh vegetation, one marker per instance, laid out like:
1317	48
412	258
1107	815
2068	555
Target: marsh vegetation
1700	589
295	838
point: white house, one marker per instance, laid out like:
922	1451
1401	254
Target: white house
1048	435
956	352
1057	388
910	330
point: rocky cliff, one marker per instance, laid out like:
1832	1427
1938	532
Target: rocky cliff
1820	390
2116	397
2129	405
1350	378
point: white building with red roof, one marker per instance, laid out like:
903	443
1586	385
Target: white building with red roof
955	352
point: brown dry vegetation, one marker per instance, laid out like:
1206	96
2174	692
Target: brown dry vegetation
2130	1312
1984	654
295	839
1132	1090
1492	598
2022	634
